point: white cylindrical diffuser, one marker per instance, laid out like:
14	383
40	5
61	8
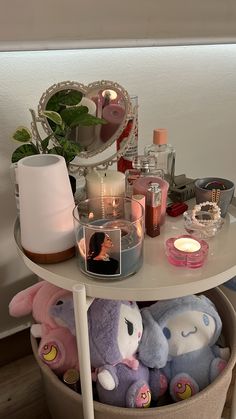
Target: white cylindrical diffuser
46	205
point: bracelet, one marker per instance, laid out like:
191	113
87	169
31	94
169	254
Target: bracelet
215	213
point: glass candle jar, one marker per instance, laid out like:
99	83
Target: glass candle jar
109	235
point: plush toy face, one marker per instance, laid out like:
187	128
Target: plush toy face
188	331
130	330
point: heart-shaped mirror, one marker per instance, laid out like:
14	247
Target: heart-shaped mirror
95	115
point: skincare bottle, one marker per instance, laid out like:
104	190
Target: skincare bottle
164	153
153	210
142	166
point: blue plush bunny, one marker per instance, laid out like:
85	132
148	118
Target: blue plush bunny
190	326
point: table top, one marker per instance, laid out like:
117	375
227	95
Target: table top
157	279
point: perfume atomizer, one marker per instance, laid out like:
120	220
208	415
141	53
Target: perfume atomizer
153	210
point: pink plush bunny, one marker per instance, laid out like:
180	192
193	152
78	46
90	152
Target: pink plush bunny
57	346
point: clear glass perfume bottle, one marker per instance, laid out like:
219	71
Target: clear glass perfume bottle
142	166
164	153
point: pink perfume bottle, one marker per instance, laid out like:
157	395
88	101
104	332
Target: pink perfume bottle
142	184
141	166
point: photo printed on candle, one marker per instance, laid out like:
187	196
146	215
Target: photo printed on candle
103	251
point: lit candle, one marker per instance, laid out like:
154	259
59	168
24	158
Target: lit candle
186	244
186	251
105	183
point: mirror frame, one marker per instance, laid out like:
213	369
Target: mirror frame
82	160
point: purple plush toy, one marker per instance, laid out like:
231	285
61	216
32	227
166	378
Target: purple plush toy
115	330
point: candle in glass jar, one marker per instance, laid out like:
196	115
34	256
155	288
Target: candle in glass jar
186	244
105	183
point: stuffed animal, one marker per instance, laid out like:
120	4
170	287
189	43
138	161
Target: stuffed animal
190	326
46	302
115	330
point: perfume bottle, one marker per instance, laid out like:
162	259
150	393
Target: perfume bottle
153	210
164	153
142	166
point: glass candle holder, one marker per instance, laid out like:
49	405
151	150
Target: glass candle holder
186	251
203	229
109	234
201	222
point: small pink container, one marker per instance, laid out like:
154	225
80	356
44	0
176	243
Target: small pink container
141	186
193	257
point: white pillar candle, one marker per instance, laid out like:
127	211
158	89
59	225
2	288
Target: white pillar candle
105	183
186	244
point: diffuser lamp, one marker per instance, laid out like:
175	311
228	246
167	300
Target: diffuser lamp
46	205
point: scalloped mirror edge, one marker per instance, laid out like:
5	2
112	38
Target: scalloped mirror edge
100	93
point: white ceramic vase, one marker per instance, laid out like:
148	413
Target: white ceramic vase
46	205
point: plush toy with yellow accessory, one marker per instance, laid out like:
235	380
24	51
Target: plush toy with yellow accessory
45	301
190	326
115	331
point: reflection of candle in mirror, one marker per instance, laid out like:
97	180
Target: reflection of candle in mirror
109	94
186	244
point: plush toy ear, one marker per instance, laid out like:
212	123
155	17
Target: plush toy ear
153	348
21	303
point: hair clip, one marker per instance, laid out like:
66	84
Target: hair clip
215	184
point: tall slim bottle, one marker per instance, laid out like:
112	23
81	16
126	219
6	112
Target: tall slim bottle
125	162
164	153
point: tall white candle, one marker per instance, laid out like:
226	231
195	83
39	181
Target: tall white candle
105	183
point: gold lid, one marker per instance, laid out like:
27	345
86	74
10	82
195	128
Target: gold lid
71	376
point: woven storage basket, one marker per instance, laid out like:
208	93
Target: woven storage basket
208	404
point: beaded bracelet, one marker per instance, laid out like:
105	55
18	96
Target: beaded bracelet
215	213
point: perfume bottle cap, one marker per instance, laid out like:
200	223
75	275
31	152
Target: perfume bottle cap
160	136
144	162
154	194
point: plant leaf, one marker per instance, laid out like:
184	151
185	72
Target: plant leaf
70	115
23	151
66	149
53	116
86	120
64	98
45	142
22	134
71	98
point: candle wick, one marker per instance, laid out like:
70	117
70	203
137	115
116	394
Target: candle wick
105	174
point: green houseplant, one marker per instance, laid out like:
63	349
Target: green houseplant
63	113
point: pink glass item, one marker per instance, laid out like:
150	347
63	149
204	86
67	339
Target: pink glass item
186	251
142	184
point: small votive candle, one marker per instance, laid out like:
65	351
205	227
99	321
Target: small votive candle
186	251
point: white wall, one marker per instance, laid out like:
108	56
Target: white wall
189	90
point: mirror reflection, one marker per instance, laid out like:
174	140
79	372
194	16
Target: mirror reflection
92	117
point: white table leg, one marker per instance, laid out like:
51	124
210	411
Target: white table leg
81	324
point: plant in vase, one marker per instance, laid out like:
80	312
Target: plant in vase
64	113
